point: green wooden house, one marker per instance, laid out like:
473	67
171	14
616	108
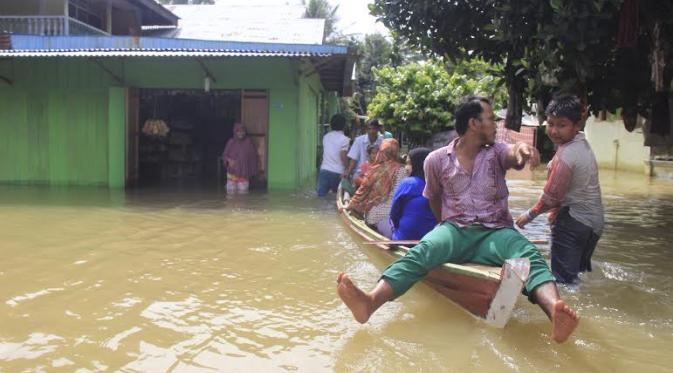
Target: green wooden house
79	83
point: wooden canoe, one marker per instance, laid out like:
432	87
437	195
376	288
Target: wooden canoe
489	293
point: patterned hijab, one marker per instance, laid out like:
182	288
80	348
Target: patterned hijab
378	181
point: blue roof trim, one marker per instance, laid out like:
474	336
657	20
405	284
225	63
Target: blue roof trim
80	43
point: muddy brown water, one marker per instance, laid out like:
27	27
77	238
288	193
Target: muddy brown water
182	281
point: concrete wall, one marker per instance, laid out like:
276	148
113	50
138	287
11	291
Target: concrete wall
615	148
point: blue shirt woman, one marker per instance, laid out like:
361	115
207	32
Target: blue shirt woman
410	212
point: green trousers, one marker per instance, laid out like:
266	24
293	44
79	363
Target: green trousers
450	243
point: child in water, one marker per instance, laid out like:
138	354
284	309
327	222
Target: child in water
572	194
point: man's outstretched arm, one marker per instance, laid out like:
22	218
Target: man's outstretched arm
520	154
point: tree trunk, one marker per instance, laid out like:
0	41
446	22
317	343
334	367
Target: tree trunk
514	103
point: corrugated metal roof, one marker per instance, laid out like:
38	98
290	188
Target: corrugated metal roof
35	43
334	63
152	53
248	21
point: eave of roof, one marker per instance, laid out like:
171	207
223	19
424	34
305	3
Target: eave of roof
82	45
151	53
333	63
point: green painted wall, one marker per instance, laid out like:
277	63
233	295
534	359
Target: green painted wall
309	105
52	128
116	137
283	138
62	120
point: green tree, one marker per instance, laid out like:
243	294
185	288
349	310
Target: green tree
417	98
374	51
323	10
598	49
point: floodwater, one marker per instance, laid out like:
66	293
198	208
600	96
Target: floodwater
182	281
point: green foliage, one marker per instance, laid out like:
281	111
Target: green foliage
418	98
347	108
374	50
322	9
542	46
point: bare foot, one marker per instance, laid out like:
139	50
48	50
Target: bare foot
354	298
564	321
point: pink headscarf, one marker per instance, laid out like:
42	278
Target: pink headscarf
244	154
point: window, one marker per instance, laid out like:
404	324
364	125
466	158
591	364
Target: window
83	11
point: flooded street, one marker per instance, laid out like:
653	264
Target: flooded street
94	280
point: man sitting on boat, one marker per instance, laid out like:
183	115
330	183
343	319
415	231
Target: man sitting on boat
466	189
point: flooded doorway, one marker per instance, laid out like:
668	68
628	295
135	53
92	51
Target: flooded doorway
180	134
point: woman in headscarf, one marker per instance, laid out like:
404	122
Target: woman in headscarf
240	157
410	212
374	196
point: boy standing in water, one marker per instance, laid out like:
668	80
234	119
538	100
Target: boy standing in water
572	194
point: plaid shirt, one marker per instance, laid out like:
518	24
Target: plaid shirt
480	198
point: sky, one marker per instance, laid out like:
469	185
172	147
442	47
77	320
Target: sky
354	18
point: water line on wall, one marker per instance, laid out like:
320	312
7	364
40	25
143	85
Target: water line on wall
615	142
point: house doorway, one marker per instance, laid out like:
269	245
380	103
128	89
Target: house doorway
180	135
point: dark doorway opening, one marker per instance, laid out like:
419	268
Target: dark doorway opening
182	134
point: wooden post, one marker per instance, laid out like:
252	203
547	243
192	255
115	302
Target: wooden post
108	17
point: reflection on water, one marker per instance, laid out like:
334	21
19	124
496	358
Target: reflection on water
170	280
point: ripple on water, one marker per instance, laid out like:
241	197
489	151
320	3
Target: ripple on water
14	301
36	345
618	272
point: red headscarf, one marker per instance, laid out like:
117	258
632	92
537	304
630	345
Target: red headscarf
378	181
244	154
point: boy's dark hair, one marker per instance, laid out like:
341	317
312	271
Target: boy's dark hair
468	107
337	122
567	106
417	157
374	123
371	148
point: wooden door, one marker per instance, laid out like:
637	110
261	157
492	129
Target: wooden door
132	135
255	117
